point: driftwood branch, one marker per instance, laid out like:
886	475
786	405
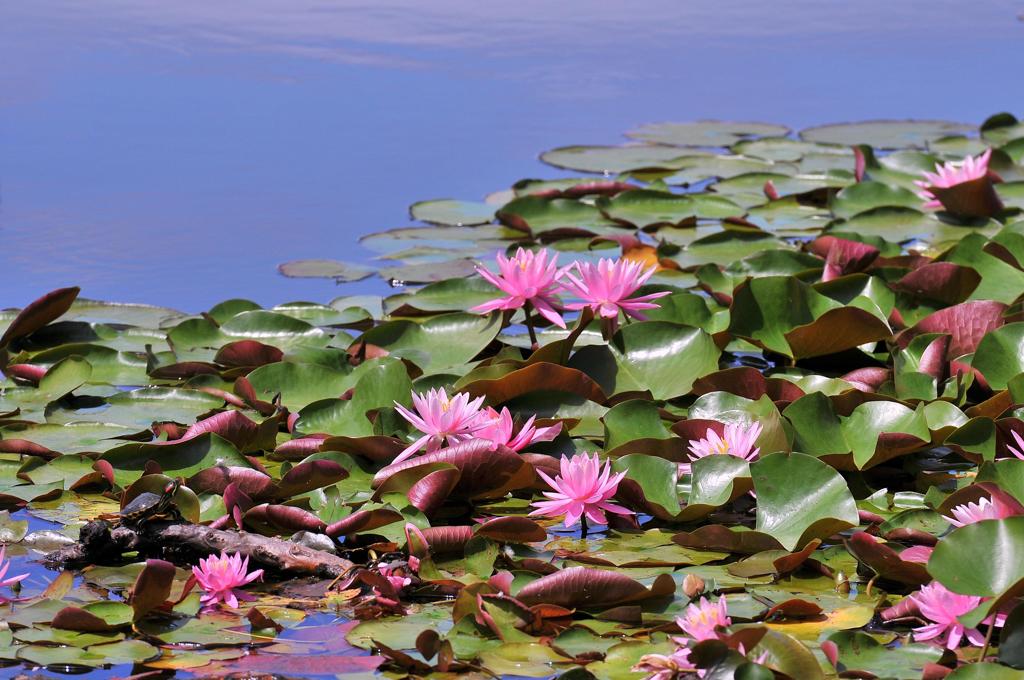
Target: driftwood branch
184	543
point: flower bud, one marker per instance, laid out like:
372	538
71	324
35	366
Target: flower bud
693	585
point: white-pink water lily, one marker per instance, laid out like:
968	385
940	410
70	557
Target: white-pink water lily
583	489
441	419
942	607
666	666
499	428
527	277
705	620
607	288
221	576
950	174
737	439
984	508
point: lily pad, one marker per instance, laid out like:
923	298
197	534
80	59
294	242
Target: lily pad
885	134
325	269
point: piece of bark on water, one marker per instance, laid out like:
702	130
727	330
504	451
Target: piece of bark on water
99	544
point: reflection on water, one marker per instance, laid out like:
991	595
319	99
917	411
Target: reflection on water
175	153
25	558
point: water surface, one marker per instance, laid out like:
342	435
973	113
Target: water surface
176	152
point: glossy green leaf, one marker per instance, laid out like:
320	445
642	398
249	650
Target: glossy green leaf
799	498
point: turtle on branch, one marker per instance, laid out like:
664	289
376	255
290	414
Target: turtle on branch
147	506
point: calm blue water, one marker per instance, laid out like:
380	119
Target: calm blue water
176	152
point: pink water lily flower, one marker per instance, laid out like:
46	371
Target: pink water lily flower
607	286
666	666
527	277
950	174
6	580
703	620
942	607
583	489
976	512
737	440
221	576
499	428
1020	442
395	577
440	419
398	580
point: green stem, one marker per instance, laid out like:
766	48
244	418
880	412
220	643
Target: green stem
607	331
528	309
583	526
988	640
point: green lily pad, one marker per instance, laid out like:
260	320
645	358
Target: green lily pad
704	133
799	498
859	651
885	134
325	269
453	213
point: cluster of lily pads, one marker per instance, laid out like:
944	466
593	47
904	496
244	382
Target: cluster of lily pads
746	405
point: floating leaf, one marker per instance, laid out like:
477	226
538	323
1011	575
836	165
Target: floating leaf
787	316
610	160
799	498
885	134
184	458
325	269
443	341
455	213
1000	355
664	358
705	133
590	588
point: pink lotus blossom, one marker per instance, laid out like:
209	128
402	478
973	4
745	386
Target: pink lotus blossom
737	440
703	620
1020	442
666	667
221	576
527	277
607	286
440	419
499	428
942	607
976	512
5	580
395	575
950	174
583	489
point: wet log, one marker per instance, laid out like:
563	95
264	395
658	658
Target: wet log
185	543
